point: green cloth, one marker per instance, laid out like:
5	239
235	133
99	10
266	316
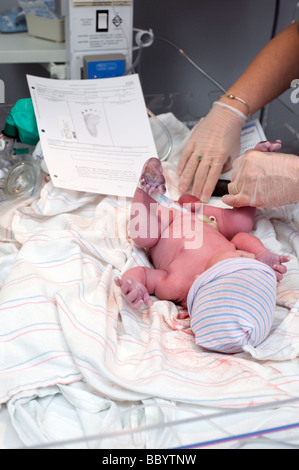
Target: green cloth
21	123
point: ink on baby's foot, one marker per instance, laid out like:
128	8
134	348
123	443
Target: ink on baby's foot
152	178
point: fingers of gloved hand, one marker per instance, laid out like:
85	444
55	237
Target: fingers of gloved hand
236	201
188	172
238	195
193	146
214	139
248	186
204	142
189	150
264	179
206	178
228	164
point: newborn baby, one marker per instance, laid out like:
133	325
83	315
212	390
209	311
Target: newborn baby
226	278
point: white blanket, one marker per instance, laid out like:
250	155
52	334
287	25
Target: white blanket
67	335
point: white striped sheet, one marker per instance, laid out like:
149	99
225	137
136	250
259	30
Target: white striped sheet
61	283
157	359
278	229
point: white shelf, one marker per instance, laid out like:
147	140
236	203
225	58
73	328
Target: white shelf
22	48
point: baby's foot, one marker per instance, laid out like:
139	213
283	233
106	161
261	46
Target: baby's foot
152	178
267	146
135	292
275	262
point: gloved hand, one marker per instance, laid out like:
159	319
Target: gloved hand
216	138
262	179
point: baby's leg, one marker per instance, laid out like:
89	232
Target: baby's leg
275	262
231	221
148	218
152	178
248	242
267	146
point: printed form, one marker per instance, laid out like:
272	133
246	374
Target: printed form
95	134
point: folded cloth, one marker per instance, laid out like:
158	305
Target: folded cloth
232	304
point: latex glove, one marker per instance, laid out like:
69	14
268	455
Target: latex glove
216	138
264	179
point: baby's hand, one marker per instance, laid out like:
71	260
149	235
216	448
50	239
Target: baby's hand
275	262
135	292
152	178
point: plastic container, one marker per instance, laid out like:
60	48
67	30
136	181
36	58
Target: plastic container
46	28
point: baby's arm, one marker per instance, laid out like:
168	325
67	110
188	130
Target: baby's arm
138	283
250	243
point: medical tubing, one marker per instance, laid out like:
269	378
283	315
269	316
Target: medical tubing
166	131
136	62
182	52
191	61
143	39
197	67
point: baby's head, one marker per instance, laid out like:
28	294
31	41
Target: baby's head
232	305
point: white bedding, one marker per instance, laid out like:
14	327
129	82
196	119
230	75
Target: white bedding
76	360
